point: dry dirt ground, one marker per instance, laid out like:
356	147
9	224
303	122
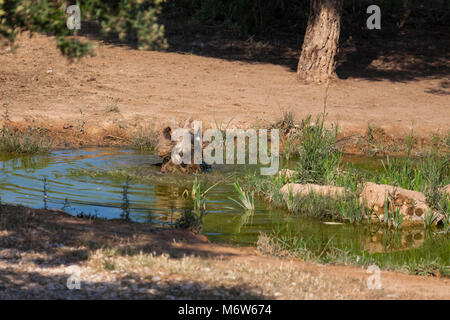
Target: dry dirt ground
121	88
41	252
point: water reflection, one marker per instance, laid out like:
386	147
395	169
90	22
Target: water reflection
159	200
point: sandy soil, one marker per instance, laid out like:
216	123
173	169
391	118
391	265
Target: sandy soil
42	86
40	250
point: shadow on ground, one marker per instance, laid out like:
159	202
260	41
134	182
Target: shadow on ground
66	240
42	251
36	285
397	55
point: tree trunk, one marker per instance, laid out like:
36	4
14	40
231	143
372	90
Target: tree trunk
317	61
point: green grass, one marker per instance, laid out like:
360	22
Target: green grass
192	219
420	174
16	141
246	200
145	139
343	208
320	161
417	261
198	196
426	174
28	142
318	155
109	265
429	219
266	186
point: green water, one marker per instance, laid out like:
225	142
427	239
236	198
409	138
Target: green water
156	199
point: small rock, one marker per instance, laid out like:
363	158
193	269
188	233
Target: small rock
305	189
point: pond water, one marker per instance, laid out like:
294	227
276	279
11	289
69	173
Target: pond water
70	186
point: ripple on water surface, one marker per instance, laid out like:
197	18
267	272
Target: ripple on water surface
71	186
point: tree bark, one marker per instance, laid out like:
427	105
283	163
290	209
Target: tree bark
317	60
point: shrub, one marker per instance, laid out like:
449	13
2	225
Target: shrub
132	20
40	16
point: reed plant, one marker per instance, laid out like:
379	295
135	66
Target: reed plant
246	199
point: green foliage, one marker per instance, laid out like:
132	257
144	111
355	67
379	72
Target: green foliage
318	156
246	199
391	216
340	208
243	16
192	219
412	174
138	20
429	218
198	196
425	174
257	17
40	16
320	161
132	20
266	186
28	142
417	261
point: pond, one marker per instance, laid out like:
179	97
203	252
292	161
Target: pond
71	186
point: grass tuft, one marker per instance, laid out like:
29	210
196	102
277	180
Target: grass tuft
246	199
416	261
318	156
145	139
28	142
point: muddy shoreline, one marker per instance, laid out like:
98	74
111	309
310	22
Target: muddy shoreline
69	135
